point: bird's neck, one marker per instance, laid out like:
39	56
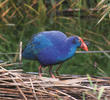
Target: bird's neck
68	50
71	48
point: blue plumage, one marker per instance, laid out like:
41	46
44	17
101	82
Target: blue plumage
50	47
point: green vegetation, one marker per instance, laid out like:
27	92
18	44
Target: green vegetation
19	20
98	93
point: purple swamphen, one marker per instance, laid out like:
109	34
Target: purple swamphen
52	47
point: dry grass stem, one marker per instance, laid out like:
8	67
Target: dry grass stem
14	84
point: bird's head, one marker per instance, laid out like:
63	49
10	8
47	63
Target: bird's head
80	43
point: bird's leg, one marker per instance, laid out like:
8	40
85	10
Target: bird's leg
40	70
58	69
50	72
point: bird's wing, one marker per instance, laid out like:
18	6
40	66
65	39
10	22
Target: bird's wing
35	45
53	40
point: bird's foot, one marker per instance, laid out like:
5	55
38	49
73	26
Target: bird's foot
52	76
40	75
40	70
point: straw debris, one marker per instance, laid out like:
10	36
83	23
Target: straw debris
14	84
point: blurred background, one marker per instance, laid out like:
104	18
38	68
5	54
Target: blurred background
89	19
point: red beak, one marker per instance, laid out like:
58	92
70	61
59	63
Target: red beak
83	45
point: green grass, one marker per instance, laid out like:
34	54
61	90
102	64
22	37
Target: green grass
98	93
